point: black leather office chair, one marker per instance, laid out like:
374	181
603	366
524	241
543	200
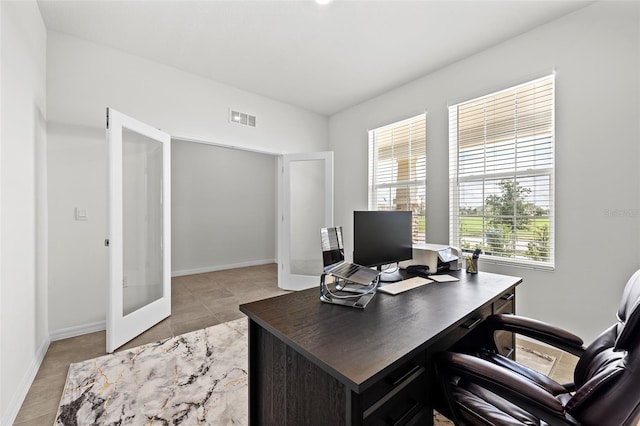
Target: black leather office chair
485	388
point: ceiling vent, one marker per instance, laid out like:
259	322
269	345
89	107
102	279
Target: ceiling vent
243	118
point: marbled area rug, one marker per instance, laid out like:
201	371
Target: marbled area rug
195	378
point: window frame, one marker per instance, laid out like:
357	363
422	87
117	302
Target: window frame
417	162
515	174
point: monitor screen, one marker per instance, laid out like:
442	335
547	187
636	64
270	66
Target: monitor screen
382	237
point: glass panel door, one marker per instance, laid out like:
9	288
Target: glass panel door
306	193
141	220
139	228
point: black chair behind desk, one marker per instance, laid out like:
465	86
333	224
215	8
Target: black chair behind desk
488	389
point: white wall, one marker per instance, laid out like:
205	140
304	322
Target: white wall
596	53
77	177
23	289
223	208
82	80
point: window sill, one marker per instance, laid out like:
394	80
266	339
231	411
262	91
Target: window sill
523	264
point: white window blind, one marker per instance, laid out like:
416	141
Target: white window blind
397	170
501	170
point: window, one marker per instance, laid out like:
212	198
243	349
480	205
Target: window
397	170
501	171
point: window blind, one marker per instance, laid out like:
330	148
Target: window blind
397	170
501	170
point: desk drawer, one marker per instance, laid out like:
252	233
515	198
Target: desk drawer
505	305
505	340
403	406
469	324
401	377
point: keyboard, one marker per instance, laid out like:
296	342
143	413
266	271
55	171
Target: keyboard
404	285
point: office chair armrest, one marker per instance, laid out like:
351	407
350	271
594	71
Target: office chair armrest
538	330
503	383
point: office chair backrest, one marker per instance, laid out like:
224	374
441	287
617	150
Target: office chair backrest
628	334
608	373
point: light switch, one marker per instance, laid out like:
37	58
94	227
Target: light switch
81	214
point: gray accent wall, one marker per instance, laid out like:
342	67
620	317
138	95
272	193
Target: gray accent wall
223	208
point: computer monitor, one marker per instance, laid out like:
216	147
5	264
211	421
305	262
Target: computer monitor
382	238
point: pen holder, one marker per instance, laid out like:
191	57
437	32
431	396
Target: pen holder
472	265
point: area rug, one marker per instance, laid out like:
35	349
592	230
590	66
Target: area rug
195	378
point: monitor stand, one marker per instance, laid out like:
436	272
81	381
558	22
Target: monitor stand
391	277
355	301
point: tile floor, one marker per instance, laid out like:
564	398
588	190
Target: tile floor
198	301
562	370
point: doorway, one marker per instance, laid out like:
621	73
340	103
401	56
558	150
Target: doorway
223	206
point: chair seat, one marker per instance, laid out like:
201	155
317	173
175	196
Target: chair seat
479	406
484	388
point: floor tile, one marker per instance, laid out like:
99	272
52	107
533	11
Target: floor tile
181	326
45	419
157	332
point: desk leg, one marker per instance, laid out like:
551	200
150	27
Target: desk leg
286	389
432	389
252	375
353	409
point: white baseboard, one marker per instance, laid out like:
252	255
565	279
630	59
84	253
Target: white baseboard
182	272
20	394
78	330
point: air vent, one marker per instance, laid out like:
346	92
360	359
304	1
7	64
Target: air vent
243	118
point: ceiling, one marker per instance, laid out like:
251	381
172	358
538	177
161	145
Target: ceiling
321	58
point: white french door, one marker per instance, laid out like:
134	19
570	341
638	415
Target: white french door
305	205
139	218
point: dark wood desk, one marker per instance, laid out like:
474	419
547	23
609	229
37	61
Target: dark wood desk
311	363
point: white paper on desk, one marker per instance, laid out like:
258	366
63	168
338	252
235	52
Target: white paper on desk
402	286
443	278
